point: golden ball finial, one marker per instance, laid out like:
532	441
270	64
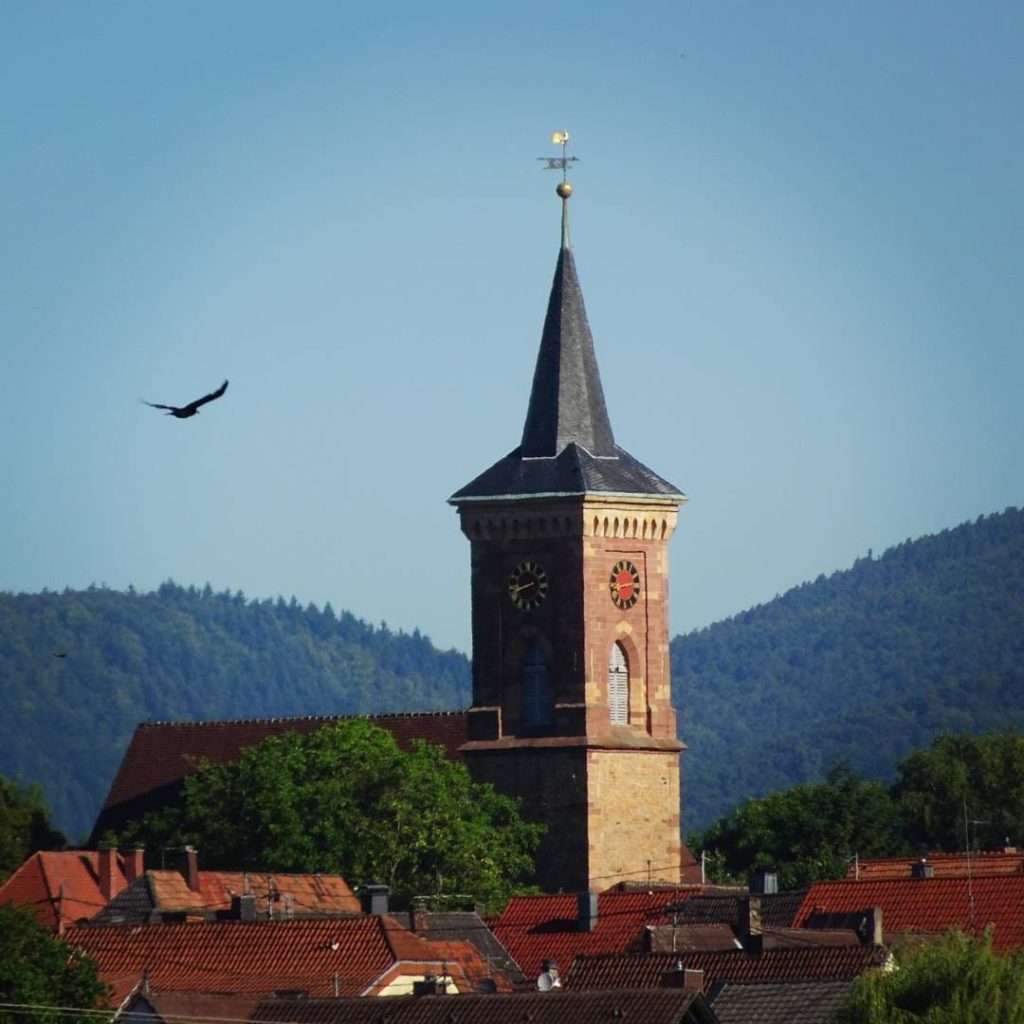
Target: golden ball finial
564	189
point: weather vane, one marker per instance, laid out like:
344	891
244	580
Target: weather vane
563	188
559	163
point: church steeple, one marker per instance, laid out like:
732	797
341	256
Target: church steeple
568	447
567	401
572	701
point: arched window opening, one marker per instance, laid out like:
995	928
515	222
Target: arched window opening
538	702
618	686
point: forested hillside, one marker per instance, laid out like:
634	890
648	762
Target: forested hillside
79	670
861	666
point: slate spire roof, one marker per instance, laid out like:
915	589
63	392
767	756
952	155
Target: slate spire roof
568	447
567	401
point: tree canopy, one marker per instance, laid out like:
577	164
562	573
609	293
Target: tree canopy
957	980
43	980
810	831
24	826
964	791
347	800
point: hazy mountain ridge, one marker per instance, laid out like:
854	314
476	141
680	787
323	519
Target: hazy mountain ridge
863	665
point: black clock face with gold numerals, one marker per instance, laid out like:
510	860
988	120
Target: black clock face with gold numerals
624	584
528	585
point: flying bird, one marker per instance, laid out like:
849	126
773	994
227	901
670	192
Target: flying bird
182	412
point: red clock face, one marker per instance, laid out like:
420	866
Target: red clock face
624	584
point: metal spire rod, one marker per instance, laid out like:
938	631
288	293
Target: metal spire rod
564	189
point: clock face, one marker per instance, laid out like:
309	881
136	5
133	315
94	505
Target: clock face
528	585
624	584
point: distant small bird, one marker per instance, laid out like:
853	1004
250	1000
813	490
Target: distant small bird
60	654
182	412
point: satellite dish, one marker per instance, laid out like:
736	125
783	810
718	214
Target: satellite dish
545	982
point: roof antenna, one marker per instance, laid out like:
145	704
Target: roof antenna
563	188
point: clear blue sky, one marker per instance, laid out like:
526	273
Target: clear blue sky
798	227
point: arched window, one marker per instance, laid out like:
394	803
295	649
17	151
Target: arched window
618	686
535	678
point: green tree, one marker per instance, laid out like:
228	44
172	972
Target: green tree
964	791
807	832
347	800
957	980
43	980
24	826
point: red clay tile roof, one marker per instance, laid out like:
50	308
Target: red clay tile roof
160	754
298	894
276	895
258	958
944	865
645	970
248	958
61	887
665	1006
930	904
538	928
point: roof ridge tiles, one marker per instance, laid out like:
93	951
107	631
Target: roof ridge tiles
220	722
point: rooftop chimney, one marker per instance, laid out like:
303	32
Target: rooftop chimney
243	908
764	881
587	904
111	880
693	979
190	867
674	977
749	925
922	869
871	927
418	916
134	863
374	899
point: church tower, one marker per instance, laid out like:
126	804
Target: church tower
571	695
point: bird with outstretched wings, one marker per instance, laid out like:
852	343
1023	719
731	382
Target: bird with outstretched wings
184	411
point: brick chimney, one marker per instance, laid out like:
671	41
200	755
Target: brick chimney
133	863
111	879
190	867
679	976
418	917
